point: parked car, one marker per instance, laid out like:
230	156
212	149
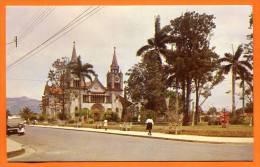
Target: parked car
15	124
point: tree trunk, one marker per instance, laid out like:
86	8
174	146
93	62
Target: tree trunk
187	103
177	98
183	100
243	95
233	91
197	102
79	93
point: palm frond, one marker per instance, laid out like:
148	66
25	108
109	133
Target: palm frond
87	66
90	71
151	41
225	59
89	77
166	29
246	64
144	49
243	72
226	68
239	52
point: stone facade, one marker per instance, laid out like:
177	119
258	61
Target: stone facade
93	94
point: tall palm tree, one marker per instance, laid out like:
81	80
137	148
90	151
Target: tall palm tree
82	71
157	44
237	67
246	78
156	47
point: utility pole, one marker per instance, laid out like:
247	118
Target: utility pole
15	41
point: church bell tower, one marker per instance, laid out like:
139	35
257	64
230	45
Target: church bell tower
115	77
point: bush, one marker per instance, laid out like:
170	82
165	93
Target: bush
51	120
111	116
146	113
71	121
206	118
114	117
42	118
214	121
90	121
237	119
135	119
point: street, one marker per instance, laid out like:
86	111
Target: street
46	144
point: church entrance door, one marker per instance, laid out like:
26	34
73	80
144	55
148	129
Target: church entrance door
97	110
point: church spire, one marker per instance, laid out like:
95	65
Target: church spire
114	61
74	54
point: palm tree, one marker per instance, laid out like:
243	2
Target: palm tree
237	67
157	44
246	78
82	71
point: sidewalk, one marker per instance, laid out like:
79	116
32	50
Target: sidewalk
14	148
188	138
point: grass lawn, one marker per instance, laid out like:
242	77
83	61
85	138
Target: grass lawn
202	129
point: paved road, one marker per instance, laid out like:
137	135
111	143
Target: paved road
46	144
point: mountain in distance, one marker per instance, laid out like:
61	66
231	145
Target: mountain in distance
14	105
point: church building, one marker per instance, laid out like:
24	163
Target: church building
92	95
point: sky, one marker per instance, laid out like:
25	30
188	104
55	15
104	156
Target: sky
125	27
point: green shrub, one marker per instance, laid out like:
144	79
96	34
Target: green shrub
71	121
135	119
110	116
90	121
42	118
237	119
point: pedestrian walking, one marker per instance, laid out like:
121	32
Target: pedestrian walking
149	126
105	124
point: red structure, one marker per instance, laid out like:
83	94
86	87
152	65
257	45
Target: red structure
224	119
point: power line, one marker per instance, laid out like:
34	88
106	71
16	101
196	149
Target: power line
53	36
78	20
36	23
28	53
64	33
36	19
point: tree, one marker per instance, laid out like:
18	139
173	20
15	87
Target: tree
27	114
146	82
83	113
52	77
82	71
8	113
212	111
205	76
60	72
238	67
190	33
249	46
135	85
157	44
249	57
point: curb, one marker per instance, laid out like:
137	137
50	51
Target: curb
15	153
155	137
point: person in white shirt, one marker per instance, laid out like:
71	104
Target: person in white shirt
105	124
149	125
